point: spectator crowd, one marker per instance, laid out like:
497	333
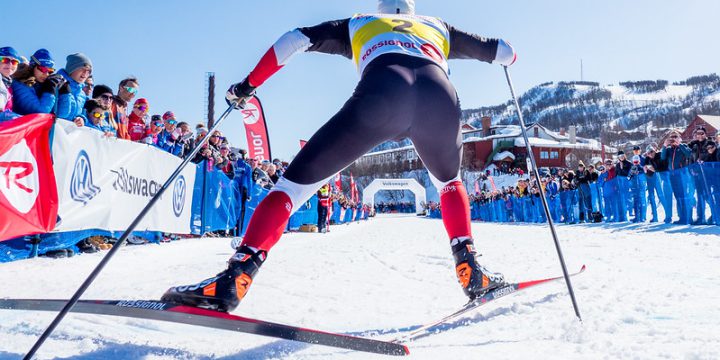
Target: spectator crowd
686	174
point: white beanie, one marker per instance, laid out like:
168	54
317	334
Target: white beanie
396	7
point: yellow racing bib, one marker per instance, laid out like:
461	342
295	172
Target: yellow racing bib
413	35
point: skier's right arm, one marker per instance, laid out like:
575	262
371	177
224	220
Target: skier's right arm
331	37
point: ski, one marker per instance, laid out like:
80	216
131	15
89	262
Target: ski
163	311
494	294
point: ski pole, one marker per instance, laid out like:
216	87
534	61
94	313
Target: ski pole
73	300
542	194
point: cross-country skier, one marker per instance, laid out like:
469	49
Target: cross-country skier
404	91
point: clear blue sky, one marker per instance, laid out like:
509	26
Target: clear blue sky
169	45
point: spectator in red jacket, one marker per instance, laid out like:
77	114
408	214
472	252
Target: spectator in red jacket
137	123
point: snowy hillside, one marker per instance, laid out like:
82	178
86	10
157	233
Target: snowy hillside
596	109
650	291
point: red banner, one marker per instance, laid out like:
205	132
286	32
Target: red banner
28	193
302	143
256	130
353	189
338	183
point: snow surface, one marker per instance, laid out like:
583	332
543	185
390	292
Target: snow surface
650	292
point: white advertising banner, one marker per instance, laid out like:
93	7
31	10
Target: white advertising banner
104	183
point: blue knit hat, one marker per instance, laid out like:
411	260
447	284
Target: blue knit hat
76	61
42	57
8	51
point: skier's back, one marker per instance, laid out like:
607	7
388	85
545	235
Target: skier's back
404	91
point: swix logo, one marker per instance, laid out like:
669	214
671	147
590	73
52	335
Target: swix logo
19	180
82	188
250	113
179	195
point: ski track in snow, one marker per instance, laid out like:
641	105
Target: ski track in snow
650	292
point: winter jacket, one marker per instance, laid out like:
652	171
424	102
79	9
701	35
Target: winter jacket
676	156
136	127
622	168
121	118
103	126
583	177
166	141
70	105
6	100
698	148
30	100
609	187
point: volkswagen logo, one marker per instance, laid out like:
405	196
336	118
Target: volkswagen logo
82	188
179	195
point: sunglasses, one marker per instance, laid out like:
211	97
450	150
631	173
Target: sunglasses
131	90
106	97
142	107
45	69
98	115
158	123
9	60
699	133
171	122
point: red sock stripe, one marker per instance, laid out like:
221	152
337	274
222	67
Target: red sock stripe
269	221
455	209
265	68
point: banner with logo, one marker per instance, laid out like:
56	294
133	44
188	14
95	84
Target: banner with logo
104	183
256	130
28	197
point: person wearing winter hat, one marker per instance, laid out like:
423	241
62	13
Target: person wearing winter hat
637	190
96	117
137	121
9	60
168	138
103	95
402	60
72	98
35	85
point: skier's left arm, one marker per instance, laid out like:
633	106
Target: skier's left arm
464	45
331	37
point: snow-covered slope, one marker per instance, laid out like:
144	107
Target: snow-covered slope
650	291
596	108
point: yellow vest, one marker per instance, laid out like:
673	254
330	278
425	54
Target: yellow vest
420	36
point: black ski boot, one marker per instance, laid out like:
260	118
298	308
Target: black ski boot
474	279
224	291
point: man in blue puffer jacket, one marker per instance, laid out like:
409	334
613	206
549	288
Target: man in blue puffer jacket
71	96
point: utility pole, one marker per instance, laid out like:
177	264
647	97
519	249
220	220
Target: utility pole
210	98
581	70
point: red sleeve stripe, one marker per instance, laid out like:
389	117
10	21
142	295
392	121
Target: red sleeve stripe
291	43
267	66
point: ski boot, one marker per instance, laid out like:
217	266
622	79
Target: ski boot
224	291
474	278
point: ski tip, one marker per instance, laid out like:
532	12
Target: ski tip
582	268
407	350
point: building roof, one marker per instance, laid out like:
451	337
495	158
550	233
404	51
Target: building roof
503	155
713	120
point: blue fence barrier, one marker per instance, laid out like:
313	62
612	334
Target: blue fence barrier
216	206
690	195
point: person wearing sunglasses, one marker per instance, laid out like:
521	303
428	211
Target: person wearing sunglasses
9	60
72	97
35	85
103	95
96	117
128	89
677	154
155	127
137	121
168	138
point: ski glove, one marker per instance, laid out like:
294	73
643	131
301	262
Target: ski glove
238	94
52	83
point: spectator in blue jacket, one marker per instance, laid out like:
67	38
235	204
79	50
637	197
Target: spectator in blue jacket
72	97
35	85
167	138
96	117
677	155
